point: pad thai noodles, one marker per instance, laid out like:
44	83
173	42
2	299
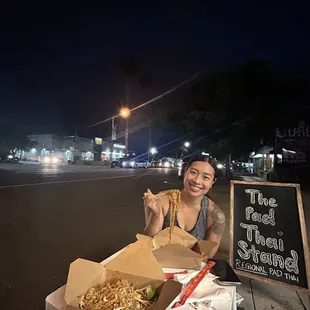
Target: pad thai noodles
174	202
118	294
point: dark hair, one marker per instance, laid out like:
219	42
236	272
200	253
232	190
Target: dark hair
204	158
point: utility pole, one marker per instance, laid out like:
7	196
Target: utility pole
113	138
73	152
127	99
74	138
126	138
150	140
127	105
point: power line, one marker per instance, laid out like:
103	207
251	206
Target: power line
152	100
184	136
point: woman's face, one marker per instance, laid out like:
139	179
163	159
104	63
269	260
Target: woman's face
199	178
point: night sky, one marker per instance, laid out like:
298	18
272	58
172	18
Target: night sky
60	63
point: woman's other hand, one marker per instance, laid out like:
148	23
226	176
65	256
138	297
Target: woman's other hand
154	214
152	203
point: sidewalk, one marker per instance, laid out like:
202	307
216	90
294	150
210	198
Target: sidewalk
257	295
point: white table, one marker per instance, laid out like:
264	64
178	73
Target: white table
56	300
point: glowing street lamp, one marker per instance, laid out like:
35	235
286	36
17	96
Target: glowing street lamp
153	150
187	144
124	112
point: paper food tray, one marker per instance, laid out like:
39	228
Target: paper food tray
55	301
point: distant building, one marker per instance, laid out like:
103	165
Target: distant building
263	161
115	151
46	144
73	148
78	148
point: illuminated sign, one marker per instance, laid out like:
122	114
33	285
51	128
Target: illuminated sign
120	146
98	141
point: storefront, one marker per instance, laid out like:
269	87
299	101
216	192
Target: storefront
116	152
264	161
73	148
87	156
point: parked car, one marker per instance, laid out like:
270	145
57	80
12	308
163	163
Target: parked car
8	158
142	164
155	163
128	163
115	164
132	163
164	163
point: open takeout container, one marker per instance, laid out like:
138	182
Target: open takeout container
136	264
184	251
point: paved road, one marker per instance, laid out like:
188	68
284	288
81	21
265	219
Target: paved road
51	217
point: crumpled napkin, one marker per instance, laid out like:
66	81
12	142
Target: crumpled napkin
206	290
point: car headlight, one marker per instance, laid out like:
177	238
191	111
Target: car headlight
55	160
132	163
47	160
160	164
10	156
124	164
167	164
219	166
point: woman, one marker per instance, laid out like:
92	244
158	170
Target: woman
196	214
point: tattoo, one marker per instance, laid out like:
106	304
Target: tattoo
218	220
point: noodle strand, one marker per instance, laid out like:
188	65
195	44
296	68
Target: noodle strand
174	202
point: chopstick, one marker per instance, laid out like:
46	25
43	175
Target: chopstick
193	284
170	275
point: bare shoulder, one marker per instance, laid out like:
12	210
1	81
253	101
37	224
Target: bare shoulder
216	217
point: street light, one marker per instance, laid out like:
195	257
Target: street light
125	113
183	149
153	150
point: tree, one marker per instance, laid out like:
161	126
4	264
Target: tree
13	139
238	106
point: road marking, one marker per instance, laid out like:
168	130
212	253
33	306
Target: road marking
142	175
65	181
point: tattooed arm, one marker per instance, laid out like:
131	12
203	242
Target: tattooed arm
215	225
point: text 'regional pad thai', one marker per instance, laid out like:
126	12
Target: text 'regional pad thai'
118	294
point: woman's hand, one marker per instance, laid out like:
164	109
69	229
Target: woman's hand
154	215
153	203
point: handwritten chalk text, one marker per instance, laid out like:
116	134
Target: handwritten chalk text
272	259
260	198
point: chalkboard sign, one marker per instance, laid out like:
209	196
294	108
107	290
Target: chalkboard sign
268	239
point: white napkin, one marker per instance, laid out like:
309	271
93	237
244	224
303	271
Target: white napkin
206	290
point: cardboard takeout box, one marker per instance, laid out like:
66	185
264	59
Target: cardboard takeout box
184	251
136	264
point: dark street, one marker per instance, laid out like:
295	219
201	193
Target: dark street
51	217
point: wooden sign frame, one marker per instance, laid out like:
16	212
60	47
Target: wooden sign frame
302	229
